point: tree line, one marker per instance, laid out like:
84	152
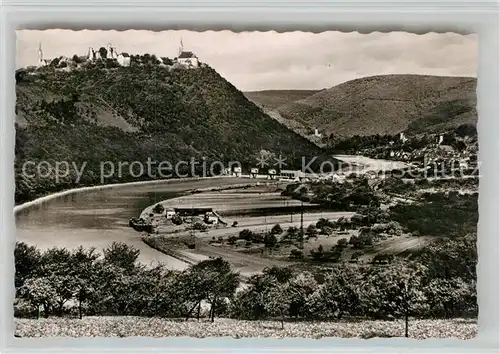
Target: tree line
439	283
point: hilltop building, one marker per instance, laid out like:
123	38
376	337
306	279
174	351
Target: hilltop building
123	59
41	60
187	58
111	53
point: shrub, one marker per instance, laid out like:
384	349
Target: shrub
199	226
296	254
276	230
270	240
158	209
312	231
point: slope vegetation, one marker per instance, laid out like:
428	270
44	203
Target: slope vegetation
387	104
272	99
102	112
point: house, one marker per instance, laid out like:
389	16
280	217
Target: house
292	174
169	214
123	59
211	218
317	133
271	173
237	171
187	58
254	172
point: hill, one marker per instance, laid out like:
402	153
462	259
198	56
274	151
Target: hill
102	112
272	99
387	104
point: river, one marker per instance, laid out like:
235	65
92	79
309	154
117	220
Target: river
97	218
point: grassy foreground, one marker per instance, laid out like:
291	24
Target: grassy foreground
157	327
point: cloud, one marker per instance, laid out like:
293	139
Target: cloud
270	60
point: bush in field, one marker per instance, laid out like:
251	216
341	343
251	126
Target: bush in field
325	230
325	223
199	226
312	231
342	243
245	234
296	254
276	230
270	240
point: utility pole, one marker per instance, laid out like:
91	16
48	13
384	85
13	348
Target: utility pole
302	218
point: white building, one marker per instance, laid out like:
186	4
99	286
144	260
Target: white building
123	59
41	60
187	58
295	175
237	171
210	218
317	133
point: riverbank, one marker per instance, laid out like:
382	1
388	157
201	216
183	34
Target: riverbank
47	198
149	209
119	326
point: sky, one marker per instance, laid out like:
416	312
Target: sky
254	61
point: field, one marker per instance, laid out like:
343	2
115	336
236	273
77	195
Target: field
157	327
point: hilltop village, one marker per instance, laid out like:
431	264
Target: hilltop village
186	59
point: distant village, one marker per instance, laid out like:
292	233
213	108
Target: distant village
185	58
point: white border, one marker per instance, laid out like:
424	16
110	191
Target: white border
480	17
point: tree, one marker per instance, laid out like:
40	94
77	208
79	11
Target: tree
76	59
276	230
452	297
300	288
121	255
312	231
27	261
270	240
339	295
277	301
214	280
245	234
342	243
39	292
158	209
394	291
103	52
84	270
64	288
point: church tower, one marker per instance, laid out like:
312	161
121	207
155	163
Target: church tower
41	62
181	48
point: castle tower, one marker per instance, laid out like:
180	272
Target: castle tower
40	55
109	51
181	48
90	55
